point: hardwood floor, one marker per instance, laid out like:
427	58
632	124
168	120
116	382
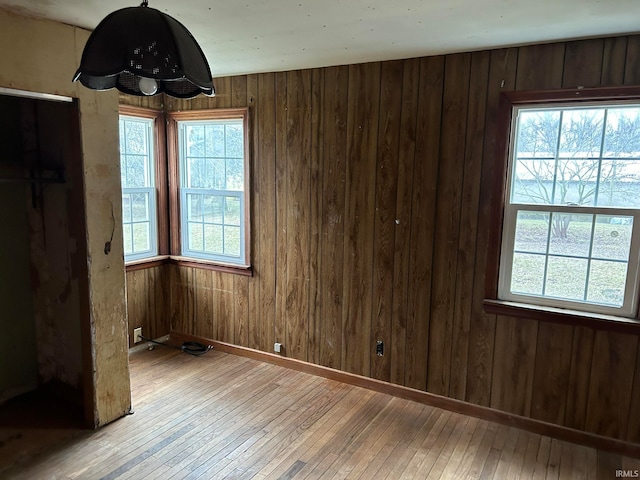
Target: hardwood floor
225	416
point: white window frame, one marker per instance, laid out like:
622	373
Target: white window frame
510	213
149	191
242	260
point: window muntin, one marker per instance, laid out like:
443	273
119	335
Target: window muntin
570	233
212	163
137	170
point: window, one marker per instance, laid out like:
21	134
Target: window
213	177
571	227
137	167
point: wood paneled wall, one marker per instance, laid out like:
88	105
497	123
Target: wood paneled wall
148	300
370	221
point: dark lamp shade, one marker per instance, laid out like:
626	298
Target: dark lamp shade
137	43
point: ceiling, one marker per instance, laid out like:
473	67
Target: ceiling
252	36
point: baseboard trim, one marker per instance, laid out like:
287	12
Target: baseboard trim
485	413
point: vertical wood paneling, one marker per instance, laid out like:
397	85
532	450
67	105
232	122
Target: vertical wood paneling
425	174
333	213
224	94
223	307
613	61
281	207
515	352
241	310
204	301
502	77
632	64
371	189
633	430
298	213
551	376
257	204
579	375
264	180
136	302
181	299
362	130
240	283
239	91
612	373
403	215
583	63
315	217
385	203
446	236
540	67
472	168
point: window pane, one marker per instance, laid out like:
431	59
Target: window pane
140	207
194	138
126	208
232	211
217	173
527	275
576	181
195	207
566	278
126	234
213	209
135	174
215	140
612	237
234	142
581	133
570	234
621	138
533	181
140	237
537	134
213	240
619	183
196	239
607	282
135	137
196	173
232	241
235	174
532	232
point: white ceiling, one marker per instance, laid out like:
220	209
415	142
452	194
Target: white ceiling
252	36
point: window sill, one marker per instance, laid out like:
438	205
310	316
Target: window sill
561	315
187	262
145	263
209	265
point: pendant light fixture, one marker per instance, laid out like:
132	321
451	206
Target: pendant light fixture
142	51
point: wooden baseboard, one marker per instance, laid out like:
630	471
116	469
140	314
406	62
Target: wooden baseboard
504	418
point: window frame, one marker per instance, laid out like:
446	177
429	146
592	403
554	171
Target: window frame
498	200
158	170
176	190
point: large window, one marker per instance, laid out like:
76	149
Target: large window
137	166
213	178
571	232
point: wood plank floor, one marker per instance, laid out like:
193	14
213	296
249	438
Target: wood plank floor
224	416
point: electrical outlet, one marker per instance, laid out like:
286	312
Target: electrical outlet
277	347
137	335
380	348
